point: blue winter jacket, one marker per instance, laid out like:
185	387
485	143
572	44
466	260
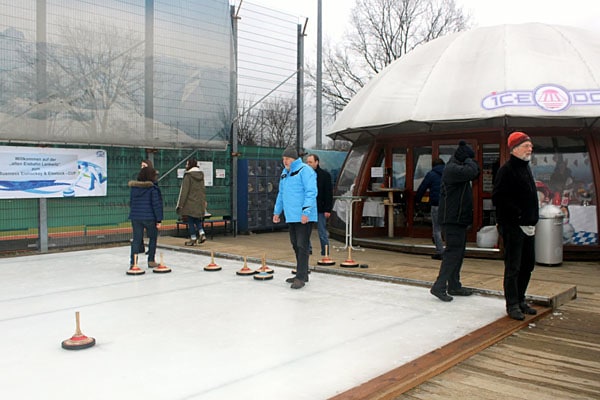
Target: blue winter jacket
145	201
432	182
297	193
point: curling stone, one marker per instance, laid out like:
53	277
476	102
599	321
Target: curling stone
263	276
349	263
135	270
264	273
264	267
212	265
78	341
326	260
162	268
245	271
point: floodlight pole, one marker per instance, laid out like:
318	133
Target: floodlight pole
234	115
319	104
300	90
41	48
149	71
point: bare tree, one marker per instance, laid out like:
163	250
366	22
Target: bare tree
270	123
381	32
338	145
98	72
278	118
94	81
248	123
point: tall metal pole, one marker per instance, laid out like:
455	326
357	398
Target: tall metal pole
41	55
234	117
149	71
300	92
319	117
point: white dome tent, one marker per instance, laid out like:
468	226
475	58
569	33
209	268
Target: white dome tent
508	75
478	85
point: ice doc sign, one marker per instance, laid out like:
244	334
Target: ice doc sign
29	172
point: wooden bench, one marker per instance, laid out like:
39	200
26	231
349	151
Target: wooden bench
210	224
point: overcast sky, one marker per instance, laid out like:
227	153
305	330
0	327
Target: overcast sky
336	13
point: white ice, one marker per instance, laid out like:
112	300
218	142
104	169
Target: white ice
193	334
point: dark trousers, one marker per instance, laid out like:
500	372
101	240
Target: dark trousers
300	238
452	259
137	244
323	234
519	261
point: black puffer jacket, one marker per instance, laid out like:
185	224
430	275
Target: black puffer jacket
456	194
515	194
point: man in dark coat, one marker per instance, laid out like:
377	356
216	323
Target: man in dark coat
455	216
324	199
146	212
517	213
432	182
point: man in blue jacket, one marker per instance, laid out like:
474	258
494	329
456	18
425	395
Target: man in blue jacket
432	182
146	212
455	216
297	199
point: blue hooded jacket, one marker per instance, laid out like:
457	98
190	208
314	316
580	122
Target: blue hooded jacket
297	193
145	201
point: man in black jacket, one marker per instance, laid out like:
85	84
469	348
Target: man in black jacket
324	199
517	213
455	216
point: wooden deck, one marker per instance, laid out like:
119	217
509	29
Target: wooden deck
555	355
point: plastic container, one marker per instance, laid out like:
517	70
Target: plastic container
487	237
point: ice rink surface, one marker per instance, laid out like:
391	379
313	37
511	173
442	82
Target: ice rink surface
194	334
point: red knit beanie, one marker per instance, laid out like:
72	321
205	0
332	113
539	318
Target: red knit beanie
517	138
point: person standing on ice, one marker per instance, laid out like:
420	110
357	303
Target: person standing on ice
297	199
146	213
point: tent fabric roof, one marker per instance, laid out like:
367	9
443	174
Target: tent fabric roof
521	75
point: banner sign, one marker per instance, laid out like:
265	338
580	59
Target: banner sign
32	172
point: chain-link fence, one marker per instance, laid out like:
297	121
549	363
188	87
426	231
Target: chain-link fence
129	76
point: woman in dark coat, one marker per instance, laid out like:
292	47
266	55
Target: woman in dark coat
146	212
192	201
